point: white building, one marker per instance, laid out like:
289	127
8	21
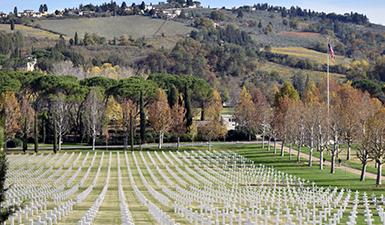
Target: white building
229	121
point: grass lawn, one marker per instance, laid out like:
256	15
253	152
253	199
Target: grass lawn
305	53
353	162
340	179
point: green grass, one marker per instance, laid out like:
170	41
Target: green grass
29	31
288	72
110	27
340	179
305	53
353	162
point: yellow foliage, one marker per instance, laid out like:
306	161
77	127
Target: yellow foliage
214	108
106	70
114	111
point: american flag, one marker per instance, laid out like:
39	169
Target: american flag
331	52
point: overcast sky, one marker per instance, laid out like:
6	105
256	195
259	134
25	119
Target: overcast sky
374	9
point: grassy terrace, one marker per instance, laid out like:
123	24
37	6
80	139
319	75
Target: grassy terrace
354	162
308	54
341	178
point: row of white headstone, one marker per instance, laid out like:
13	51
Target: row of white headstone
202	187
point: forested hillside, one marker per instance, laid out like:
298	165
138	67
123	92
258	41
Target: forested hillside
261	44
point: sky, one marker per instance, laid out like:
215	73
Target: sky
374	9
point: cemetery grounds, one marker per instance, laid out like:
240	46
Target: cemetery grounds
237	184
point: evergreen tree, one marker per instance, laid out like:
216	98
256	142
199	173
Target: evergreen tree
124	6
15	11
188	108
240	14
41	9
260	24
76	39
142	6
189	3
12	25
173	95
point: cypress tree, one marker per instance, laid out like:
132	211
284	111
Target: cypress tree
12	25
76	39
25	135
187	105
173	96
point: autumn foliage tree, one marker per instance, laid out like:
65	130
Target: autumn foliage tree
159	115
11	113
178	122
213	127
245	113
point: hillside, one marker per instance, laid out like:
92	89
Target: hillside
114	27
227	47
305	53
28	31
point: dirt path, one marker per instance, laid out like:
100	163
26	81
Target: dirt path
328	163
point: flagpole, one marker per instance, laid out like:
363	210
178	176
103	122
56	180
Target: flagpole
328	81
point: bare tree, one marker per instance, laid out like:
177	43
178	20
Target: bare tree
66	68
59	110
363	154
93	113
375	131
263	114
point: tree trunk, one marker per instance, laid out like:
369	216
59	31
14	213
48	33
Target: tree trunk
160	140
348	152
379	174
55	137
25	136
311	151
333	163
310	163
93	141
268	144
131	132
178	143
263	142
363	171
60	141
142	120
44	131
290	148
299	151
36	132
321	159
125	141
282	150
203	114
209	144
275	146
